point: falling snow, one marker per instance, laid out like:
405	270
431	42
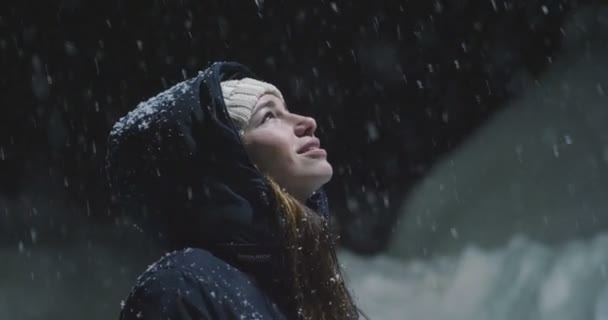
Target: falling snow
478	185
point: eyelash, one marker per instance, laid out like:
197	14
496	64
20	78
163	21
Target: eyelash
266	116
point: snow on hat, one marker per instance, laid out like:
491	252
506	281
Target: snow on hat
241	96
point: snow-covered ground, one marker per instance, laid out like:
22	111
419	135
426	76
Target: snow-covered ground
523	280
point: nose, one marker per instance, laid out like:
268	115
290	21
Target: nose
305	126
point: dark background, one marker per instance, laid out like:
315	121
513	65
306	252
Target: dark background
392	84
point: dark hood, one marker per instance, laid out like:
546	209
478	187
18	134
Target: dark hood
178	169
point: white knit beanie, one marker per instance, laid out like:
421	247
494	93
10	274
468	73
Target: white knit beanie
241	96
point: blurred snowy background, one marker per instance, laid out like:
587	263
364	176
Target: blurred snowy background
478	193
512	224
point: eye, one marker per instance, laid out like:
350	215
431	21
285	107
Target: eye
268	115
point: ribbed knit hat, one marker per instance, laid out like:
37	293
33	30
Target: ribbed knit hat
241	96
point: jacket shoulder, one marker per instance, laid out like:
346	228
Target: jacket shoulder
169	294
193	284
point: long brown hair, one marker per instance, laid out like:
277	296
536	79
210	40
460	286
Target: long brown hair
313	279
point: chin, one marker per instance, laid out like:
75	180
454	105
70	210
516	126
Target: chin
323	173
330	171
312	175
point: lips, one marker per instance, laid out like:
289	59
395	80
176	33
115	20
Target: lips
310	145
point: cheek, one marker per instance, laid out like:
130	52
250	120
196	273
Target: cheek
272	153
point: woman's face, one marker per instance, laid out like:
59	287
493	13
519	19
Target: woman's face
283	145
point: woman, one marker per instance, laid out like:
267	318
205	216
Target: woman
222	173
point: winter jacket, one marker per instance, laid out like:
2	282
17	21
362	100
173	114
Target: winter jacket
178	169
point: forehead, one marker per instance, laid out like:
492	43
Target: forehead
271	101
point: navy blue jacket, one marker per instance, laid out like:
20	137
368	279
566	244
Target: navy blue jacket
194	284
178	169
